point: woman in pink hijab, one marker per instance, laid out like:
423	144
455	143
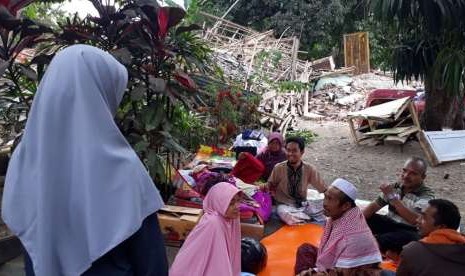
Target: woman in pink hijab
214	245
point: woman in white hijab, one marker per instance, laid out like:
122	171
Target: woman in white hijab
76	194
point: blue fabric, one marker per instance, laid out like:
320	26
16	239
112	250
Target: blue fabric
141	254
249	134
75	188
387	273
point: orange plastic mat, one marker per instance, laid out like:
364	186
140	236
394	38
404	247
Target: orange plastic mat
389	265
282	247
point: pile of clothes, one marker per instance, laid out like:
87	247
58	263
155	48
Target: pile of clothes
194	184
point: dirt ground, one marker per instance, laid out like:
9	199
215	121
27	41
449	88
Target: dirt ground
336	155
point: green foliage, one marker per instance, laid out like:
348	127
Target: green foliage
320	24
156	112
270	59
431	39
20	77
46	13
307	135
193	128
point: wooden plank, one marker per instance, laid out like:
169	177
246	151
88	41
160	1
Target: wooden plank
394	139
228	23
334	73
269	114
398	124
256	231
352	131
372	125
413	112
326	63
190	218
295	49
182	210
5	150
409	131
401	110
389	111
388	131
427	149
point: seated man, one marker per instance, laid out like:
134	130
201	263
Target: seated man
406	200
347	243
442	249
290	180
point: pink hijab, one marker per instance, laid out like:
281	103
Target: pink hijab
214	245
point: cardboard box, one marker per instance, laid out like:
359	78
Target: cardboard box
176	223
256	231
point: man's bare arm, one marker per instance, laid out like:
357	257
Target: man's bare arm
371	209
404	212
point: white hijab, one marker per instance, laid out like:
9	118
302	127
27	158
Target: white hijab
75	188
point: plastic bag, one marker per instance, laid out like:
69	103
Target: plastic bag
264	199
253	255
314	209
292	215
262	205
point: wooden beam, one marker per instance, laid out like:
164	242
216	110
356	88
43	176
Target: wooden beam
414	114
5	150
427	149
394	139
270	115
295	49
352	130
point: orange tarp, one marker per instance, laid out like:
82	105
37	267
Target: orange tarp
282	247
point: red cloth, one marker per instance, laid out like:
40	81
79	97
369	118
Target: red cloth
246	214
306	257
248	168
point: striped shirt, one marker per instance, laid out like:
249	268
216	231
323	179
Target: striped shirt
415	201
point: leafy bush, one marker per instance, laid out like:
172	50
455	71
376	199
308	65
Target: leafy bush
307	135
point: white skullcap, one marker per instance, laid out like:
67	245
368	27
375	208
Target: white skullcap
346	187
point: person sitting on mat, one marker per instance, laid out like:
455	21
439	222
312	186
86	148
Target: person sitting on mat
441	251
405	200
290	180
273	154
347	242
214	245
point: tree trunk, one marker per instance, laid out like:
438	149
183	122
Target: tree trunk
458	119
433	116
442	109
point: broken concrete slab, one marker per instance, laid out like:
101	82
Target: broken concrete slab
339	81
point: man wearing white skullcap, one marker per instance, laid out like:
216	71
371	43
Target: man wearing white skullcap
347	242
